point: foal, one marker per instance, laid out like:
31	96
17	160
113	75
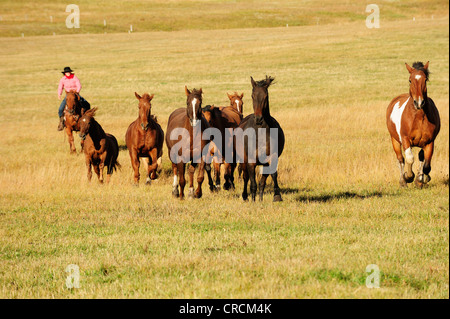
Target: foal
100	148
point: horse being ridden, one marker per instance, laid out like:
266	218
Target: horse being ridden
187	126
413	121
144	139
272	149
100	148
72	113
223	118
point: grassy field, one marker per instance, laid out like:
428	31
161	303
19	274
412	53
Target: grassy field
343	208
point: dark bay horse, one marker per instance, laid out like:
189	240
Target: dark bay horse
72	113
144	139
100	148
413	121
187	125
223	118
265	127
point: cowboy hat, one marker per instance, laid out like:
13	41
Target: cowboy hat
67	69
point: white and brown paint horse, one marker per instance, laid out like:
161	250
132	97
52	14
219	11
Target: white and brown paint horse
413	121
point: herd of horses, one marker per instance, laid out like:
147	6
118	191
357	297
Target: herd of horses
412	120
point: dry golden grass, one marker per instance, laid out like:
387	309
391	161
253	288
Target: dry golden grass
342	208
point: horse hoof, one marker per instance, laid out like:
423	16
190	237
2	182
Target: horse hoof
227	186
245	197
191	193
409	179
175	193
148	181
418	183
402	182
277	198
198	195
426	178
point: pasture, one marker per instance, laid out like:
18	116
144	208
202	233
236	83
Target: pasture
342	206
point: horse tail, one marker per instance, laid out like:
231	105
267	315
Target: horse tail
114	164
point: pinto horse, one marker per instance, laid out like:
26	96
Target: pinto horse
100	148
271	149
187	126
413	121
72	113
144	139
223	118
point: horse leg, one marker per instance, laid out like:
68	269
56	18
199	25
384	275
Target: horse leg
182	181
146	161
101	167
71	140
262	185
175	192
200	178
135	164
97	170
401	161
89	168
191	180
154	166
217	174
276	189
210	180
228	176
409	174
245	177
425	156
251	168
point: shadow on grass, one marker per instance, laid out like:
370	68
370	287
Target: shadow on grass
323	198
123	147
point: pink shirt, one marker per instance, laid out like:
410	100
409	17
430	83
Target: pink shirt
69	84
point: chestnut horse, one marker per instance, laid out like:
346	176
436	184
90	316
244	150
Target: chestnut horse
100	148
223	118
413	121
72	113
236	102
144	139
187	125
261	119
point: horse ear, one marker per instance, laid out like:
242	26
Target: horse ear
410	69
242	95
229	96
253	82
187	91
137	96
200	91
151	96
426	65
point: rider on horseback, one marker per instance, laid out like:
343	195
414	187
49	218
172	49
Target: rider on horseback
69	82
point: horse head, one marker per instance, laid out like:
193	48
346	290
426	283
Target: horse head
145	108
260	96
73	102
236	101
418	77
194	105
86	121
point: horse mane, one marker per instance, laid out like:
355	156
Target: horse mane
263	83
419	66
197	92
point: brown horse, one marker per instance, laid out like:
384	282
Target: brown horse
100	148
144	139
72	113
264	127
236	102
187	126
413	121
223	118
